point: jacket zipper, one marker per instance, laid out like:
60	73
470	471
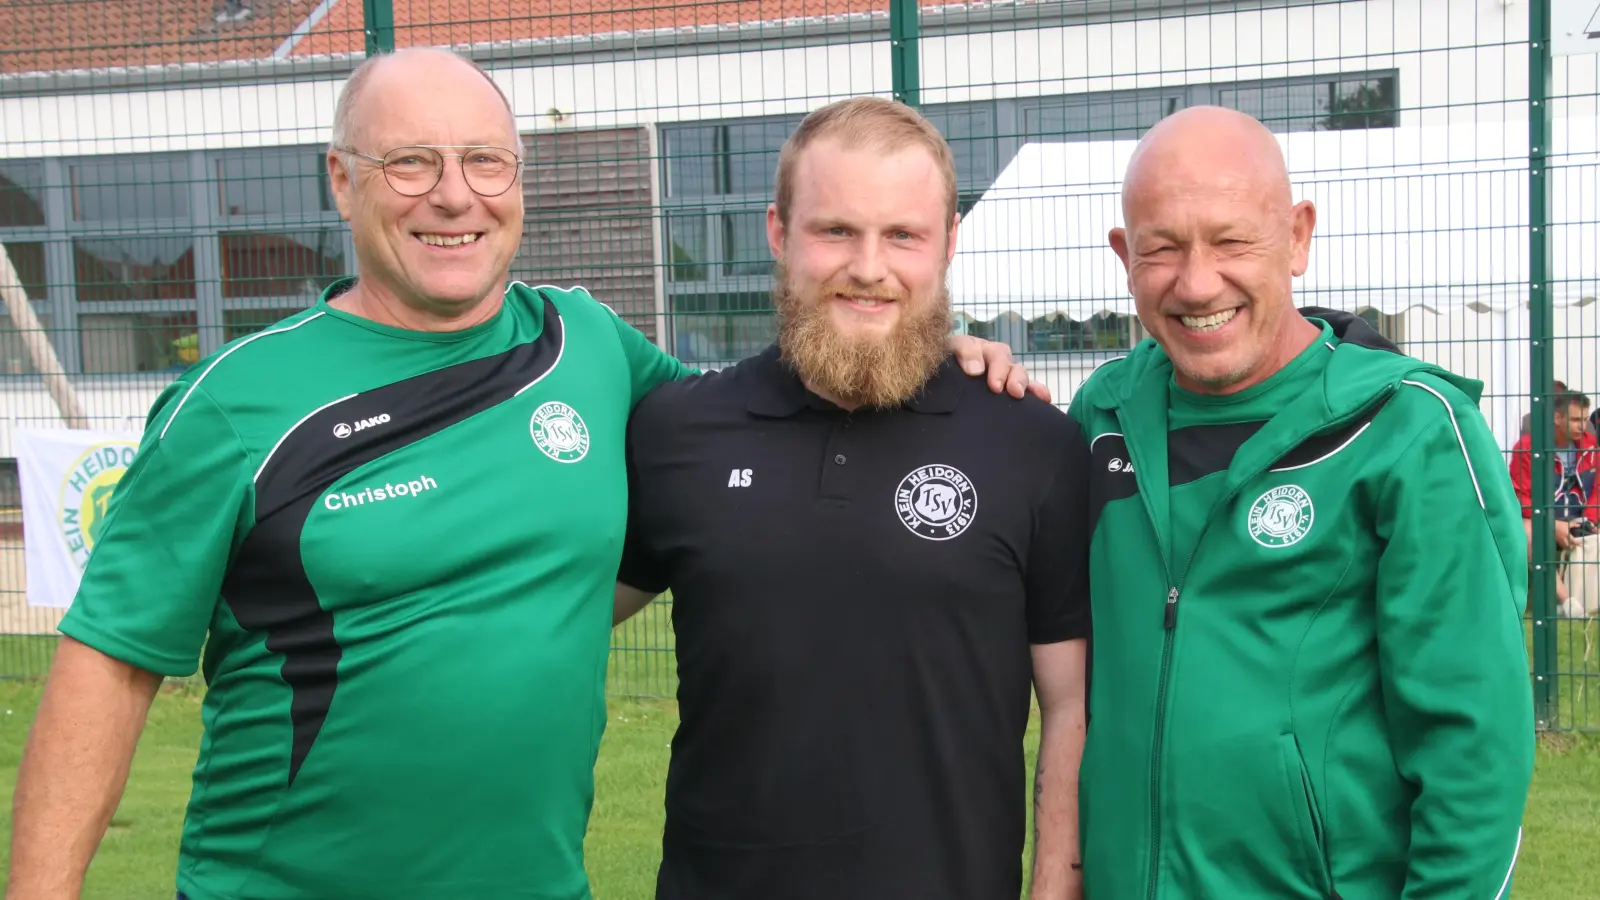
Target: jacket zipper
1161	694
1170	625
1161	728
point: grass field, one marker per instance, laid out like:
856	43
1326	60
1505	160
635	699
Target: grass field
138	857
1561	849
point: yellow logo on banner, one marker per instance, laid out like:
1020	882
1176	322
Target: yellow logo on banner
86	495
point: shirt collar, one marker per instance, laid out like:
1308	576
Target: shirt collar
776	390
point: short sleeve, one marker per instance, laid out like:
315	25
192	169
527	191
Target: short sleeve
642	566
1058	560
649	365
153	580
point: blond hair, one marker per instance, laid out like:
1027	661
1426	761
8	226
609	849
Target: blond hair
883	125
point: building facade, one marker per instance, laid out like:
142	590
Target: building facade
163	187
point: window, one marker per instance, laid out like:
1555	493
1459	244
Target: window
14	356
722	327
1318	104
134	268
27	257
280	183
970	132
1098	117
281	264
689	248
725	159
238	323
21	194
145	246
138	342
744	239
128	188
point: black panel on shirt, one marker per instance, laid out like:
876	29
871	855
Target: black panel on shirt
266	587
1111	474
1315	448
853	692
1196	451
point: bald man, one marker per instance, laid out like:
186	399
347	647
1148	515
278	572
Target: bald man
1307	572
393	524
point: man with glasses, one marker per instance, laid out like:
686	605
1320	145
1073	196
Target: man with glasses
393	522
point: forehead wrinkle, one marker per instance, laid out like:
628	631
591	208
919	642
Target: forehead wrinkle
386	105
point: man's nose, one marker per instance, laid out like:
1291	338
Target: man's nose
868	264
1198	278
452	193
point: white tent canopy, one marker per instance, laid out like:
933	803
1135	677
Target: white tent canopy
1429	216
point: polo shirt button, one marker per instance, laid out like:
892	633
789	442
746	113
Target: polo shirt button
839	459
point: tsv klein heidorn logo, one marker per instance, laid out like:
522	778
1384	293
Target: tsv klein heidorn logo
936	502
559	432
1281	516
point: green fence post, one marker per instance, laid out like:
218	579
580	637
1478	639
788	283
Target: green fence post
1541	365
903	29
379	18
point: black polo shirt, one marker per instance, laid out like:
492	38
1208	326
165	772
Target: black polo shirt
854	596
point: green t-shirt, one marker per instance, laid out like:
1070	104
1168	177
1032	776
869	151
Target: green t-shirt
1230	417
398	550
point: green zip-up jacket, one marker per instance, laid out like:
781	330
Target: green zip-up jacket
1326	694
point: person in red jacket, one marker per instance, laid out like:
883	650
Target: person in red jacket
1576	458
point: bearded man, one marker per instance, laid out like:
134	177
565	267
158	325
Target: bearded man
872	561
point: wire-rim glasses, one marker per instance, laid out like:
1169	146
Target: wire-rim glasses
416	169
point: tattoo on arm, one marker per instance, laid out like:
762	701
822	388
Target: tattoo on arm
1038	795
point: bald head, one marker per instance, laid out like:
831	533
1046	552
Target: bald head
1213	146
409	73
1212	241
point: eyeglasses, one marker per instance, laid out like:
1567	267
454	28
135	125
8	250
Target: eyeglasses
416	170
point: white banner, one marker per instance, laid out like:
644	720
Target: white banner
1574	27
67	479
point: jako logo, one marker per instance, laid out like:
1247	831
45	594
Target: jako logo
342	430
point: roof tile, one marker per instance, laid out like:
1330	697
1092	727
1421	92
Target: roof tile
455	22
56	35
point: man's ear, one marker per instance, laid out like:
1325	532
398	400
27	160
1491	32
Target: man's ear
1118	238
1303	221
341	183
775	231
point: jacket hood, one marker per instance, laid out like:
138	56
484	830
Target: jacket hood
1365	364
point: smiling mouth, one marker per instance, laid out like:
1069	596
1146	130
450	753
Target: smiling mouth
864	302
448	240
1208	323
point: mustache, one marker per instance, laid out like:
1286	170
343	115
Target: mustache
848	289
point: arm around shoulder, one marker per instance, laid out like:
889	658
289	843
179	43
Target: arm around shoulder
1451	590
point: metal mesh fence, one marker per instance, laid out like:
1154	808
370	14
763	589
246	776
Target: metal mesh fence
163	191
